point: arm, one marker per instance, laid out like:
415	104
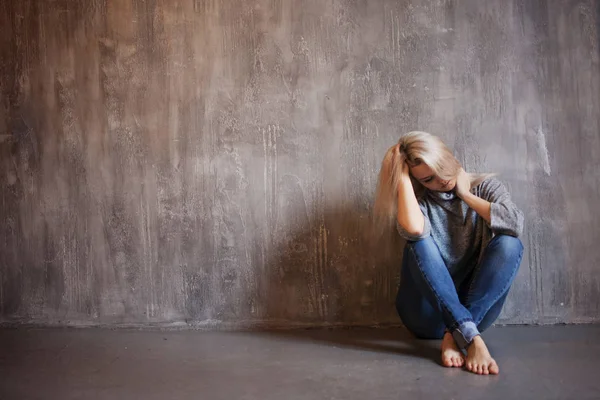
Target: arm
463	190
410	216
481	206
493	203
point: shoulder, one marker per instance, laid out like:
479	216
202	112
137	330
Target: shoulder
490	187
490	182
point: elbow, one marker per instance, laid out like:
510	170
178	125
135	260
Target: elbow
508	229
413	229
510	222
519	223
507	232
416	232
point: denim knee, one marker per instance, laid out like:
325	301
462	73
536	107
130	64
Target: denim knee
508	245
423	327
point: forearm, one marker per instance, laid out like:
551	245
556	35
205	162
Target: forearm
481	206
410	216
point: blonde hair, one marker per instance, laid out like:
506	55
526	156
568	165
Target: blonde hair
415	148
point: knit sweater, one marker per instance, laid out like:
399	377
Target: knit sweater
459	232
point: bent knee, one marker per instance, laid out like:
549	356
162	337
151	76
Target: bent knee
421	327
427	333
507	244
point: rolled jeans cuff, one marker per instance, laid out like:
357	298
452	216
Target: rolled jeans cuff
465	333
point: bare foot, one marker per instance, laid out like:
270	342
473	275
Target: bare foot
479	360
451	355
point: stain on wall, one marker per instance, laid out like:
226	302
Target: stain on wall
213	163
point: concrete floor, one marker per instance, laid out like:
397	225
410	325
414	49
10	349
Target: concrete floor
535	362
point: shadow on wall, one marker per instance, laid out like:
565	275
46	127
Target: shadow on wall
328	268
333	271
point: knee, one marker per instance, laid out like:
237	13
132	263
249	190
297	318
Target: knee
423	331
507	245
421	326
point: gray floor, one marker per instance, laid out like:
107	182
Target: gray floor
535	362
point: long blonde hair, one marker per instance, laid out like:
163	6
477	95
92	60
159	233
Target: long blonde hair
414	147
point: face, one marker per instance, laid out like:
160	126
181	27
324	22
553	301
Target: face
430	180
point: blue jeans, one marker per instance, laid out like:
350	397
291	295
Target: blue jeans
430	300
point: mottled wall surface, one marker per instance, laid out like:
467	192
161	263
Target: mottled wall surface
211	162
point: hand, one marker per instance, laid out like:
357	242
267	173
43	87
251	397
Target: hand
405	168
463	184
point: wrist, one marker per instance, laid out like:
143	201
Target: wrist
405	179
465	195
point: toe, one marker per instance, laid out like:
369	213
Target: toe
485	370
480	369
446	361
494	368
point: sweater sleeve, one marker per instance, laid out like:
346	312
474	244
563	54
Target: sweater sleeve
426	227
506	217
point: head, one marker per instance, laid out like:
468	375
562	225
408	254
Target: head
432	166
430	161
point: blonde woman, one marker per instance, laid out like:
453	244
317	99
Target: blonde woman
462	251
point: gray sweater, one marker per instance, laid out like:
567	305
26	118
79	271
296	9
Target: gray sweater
459	232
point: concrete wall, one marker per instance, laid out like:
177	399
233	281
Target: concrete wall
214	162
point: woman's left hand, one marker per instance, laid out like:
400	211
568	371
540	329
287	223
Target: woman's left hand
463	184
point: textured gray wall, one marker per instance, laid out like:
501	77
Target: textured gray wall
214	162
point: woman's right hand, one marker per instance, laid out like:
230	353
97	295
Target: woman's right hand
405	168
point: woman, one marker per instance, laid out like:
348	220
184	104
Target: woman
462	251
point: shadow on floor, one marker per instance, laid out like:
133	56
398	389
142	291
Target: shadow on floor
388	341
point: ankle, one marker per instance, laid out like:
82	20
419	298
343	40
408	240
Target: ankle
477	341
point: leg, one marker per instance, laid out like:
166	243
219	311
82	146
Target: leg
431	278
487	292
491	281
423	318
418	315
493	313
